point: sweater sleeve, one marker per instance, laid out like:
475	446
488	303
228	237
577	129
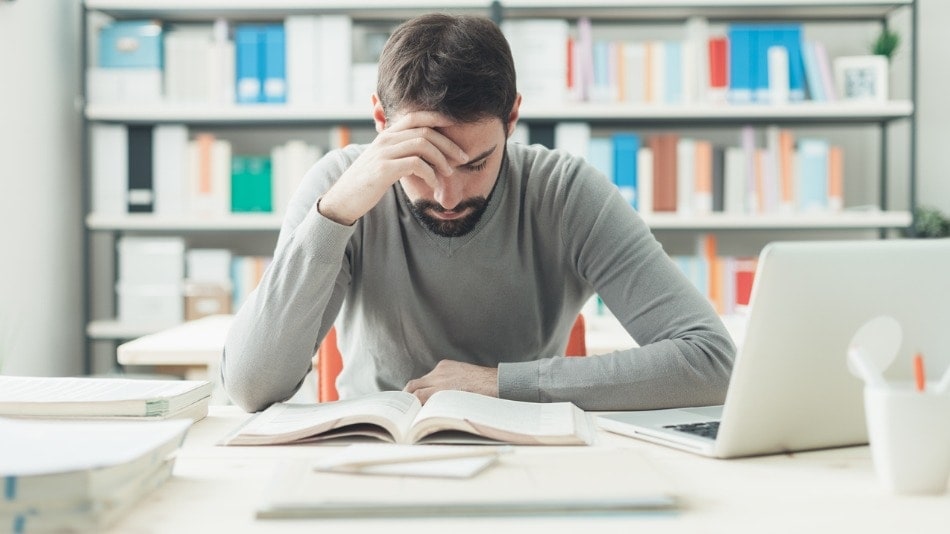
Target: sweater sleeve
269	347
685	354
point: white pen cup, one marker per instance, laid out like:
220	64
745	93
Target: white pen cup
909	434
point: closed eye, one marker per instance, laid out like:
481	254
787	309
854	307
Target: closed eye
477	167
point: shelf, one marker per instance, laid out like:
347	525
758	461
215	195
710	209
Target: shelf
793	221
380	9
658	221
278	9
617	112
837	112
145	222
109	329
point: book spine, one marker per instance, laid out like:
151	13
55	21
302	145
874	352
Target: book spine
141	194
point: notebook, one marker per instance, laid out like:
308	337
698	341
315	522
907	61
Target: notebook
790	388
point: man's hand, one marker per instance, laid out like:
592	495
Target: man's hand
450	374
410	146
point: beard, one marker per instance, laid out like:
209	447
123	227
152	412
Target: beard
422	210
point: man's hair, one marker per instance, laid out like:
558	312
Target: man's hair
459	66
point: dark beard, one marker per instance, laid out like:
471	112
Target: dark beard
454	228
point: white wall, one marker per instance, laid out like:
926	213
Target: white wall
933	113
41	328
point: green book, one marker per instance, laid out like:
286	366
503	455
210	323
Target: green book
251	184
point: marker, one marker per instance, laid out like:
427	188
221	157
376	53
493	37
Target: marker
919	376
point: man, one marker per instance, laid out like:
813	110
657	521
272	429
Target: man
451	259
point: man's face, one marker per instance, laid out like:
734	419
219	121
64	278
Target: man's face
454	207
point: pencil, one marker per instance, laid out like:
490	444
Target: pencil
919	376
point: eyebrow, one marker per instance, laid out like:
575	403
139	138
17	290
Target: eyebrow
481	156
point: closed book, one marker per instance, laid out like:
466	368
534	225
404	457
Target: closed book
626	146
664	172
645	180
835	178
302	55
703	177
573	137
103	456
335	60
251	184
734	181
274	76
141	195
685	176
718	178
813	81
600	154
93	397
110	168
741	63
790	36
170	168
812	174
673	72
634	68
718	70
541	134
248	69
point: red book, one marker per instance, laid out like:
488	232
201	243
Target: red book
745	276
718	63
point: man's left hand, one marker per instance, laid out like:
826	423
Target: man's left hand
450	374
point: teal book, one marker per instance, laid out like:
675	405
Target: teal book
251	189
626	146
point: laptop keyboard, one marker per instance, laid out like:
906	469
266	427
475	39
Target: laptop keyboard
707	429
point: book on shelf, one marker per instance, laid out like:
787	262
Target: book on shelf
106	398
110	466
523	483
399	417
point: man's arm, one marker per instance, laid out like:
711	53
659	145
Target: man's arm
269	347
685	354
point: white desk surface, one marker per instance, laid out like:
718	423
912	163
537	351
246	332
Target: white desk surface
197	342
217	489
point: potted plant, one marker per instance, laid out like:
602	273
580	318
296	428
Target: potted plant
929	222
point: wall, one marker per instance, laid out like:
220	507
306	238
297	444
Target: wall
933	113
41	329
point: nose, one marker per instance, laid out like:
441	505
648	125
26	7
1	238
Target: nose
448	193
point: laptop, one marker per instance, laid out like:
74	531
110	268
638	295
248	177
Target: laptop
790	388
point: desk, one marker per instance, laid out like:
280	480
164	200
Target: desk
217	489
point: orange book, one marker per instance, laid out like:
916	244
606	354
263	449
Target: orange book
835	178
786	161
702	182
205	181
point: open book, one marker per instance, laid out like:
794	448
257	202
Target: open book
89	397
397	416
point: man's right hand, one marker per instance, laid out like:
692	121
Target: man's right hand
410	146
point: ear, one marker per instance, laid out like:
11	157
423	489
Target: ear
513	116
379	116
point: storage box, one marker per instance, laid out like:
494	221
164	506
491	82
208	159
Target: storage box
152	304
203	299
135	44
151	260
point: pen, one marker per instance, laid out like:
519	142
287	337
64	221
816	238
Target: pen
919	376
429	457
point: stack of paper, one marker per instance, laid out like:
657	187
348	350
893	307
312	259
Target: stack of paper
80	475
113	398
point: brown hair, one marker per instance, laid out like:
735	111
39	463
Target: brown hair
460	66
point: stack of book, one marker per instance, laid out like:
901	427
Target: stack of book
80	476
75	453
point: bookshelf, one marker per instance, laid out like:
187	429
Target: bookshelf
880	218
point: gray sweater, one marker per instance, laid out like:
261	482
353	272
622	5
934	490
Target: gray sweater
506	294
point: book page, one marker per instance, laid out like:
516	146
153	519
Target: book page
389	411
530	423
